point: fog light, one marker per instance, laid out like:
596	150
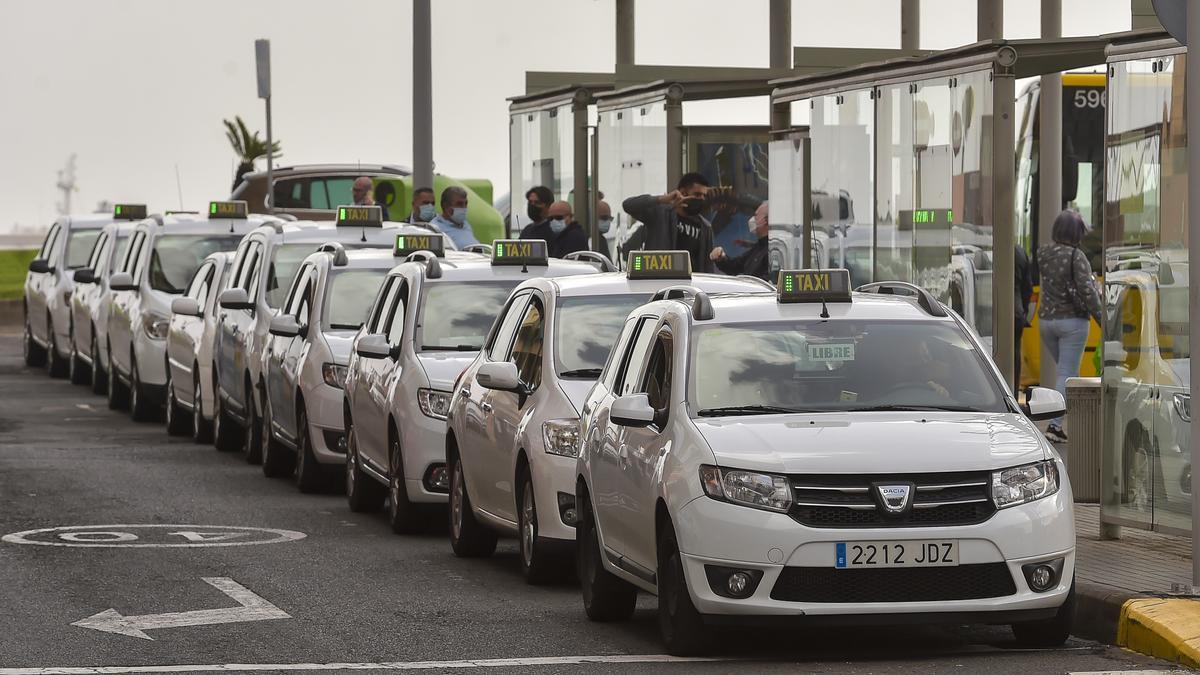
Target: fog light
738	582
1043	576
437	479
729	582
566	509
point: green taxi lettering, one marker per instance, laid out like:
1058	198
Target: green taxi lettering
812	282
353	213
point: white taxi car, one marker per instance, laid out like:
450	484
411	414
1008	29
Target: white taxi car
263	269
514	419
821	457
190	339
305	359
426	326
90	303
163	255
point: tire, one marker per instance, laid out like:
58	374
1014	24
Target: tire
311	477
141	408
277	461
1050	632
118	393
468	537
226	435
404	516
680	625
539	565
363	494
35	356
252	432
56	365
201	428
179	423
78	371
605	596
99	376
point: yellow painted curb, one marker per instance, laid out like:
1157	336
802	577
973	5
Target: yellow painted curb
1167	628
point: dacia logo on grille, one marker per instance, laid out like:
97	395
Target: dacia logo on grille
894	497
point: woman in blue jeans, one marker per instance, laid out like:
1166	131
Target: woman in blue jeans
1068	301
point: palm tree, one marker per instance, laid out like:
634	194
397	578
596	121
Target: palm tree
248	147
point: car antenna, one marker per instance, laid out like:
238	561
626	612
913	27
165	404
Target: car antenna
364	234
824	308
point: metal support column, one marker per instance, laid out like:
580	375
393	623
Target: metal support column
806	198
422	99
910	25
781	33
674	108
1049	156
594	193
270	161
580	165
781	117
989	20
1003	218
1192	104
625	32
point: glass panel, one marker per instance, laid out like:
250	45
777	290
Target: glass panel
893	243
542	153
843	160
971	217
633	161
929	221
786	164
734	160
79	247
338	191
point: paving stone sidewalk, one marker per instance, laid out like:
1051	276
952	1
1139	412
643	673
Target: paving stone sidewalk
1138	562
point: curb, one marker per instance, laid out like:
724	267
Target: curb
1098	611
1165	628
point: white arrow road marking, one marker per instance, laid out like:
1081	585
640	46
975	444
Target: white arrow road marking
253	608
209	536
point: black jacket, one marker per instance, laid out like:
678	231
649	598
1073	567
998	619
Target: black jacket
659	233
1023	281
755	261
568	241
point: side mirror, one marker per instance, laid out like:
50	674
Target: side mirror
285	325
40	266
185	307
84	275
632	410
235	298
373	346
1044	404
1114	353
122	281
500	375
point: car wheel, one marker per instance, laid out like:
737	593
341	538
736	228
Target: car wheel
362	493
606	597
403	515
79	371
277	461
539	565
99	376
252	432
118	393
680	624
468	537
226	436
178	422
140	406
201	429
310	475
1050	632
56	365
35	356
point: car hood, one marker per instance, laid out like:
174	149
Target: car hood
442	368
341	343
576	391
878	442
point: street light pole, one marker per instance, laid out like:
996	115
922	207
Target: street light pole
262	58
422	100
1192	105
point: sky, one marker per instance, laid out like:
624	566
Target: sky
137	89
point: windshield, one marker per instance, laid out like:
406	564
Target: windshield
349	296
586	329
457	316
284	264
176	257
838	366
79	247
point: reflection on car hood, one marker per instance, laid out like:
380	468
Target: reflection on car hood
576	391
442	368
341	343
878	442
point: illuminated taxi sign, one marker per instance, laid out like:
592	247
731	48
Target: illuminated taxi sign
411	243
129	211
360	216
814	286
659	265
520	252
237	209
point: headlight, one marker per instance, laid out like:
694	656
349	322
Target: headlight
561	437
334	375
748	488
156	326
1183	406
1023	484
434	403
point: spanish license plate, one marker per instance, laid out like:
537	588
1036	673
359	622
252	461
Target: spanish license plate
918	553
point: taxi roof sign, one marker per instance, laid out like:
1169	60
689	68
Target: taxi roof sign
360	216
411	243
814	285
235	209
129	211
659	265
520	252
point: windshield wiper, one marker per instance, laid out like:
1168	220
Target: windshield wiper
345	326
450	348
751	410
918	408
588	373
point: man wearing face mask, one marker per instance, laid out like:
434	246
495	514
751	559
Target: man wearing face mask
756	260
562	234
423	210
452	221
537	206
604	222
673	221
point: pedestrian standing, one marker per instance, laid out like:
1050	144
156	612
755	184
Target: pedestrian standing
673	221
756	260
1068	299
537	206
1023	294
560	231
423	210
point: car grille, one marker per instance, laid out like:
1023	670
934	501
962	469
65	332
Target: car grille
918	584
938	499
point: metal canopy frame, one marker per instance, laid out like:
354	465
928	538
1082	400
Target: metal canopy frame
1143	43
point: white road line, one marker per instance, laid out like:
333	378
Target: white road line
385	665
1130	672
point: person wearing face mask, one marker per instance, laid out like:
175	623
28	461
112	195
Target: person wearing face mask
562	234
673	221
423	210
537	206
756	260
604	222
452	221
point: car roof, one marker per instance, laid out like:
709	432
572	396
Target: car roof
320	231
459	266
365	259
348	168
745	308
223	257
193	224
86	221
617	283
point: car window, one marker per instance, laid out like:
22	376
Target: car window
285	260
317	197
527	346
131	255
99	252
502	337
610	369
304	307
292	193
206	286
292	304
586	329
348	296
631	363
383	302
338	191
656	384
48	242
397	314
457	316
118	253
193	289
80	244
176	257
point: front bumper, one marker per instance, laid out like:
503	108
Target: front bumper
151	360
553	476
423	445
718	533
323	404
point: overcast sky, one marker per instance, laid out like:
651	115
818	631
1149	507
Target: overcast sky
138	88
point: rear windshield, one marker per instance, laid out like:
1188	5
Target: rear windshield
349	296
176	257
79	247
458	316
586	329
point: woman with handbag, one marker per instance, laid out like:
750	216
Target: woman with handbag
1068	299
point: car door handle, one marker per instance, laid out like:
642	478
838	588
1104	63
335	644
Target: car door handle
485	406
465	391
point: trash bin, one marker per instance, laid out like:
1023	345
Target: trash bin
1083	437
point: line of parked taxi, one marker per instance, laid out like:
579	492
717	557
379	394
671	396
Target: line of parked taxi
749	453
